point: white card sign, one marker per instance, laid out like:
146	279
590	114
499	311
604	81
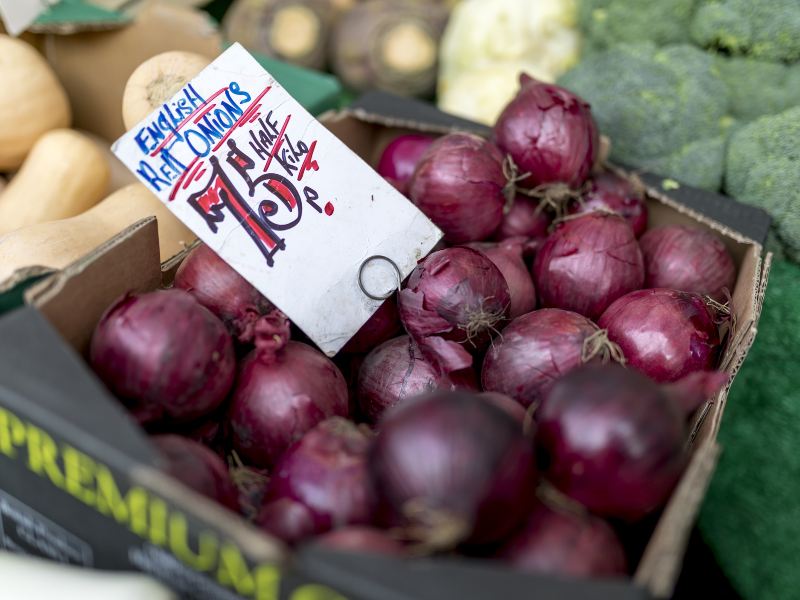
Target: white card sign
279	197
17	15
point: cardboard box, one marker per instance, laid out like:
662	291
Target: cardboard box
80	483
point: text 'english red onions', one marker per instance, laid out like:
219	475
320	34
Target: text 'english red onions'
358	538
612	193
283	389
454	467
224	292
459	184
164	355
507	256
689	259
397	370
400	157
453	302
534	350
325	471
665	334
383	325
550	134
588	262
563	542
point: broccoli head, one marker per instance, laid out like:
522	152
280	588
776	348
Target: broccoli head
607	23
759	88
762	29
664	109
763	168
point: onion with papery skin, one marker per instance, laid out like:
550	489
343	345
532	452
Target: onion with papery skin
612	193
561	541
219	288
400	157
397	370
452	304
282	391
689	259
524	219
507	256
588	262
538	348
454	467
164	355
357	538
550	134
197	467
665	334
287	520
383	325
459	184
613	440
326	472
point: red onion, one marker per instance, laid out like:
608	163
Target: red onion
588	262
452	303
397	370
459	184
507	256
538	348
357	538
506	403
384	324
164	354
197	467
281	392
455	467
251	483
524	219
224	292
612	193
326	472
564	542
287	520
665	334
401	156
611	439
689	259
550	134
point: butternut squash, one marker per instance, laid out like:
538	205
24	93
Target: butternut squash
32	101
64	175
157	80
56	244
120	174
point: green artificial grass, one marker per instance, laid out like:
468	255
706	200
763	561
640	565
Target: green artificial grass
751	516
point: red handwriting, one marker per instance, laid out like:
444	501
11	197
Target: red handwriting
309	164
187	119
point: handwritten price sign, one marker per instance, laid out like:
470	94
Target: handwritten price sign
279	197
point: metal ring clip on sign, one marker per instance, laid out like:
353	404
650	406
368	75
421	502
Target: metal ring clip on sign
373	258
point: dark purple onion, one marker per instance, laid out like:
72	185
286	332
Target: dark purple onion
609	192
358	538
588	262
397	370
401	156
506	403
287	520
383	325
164	355
224	292
452	304
326	472
564	542
507	256
455	463
665	334
458	184
281	392
689	259
550	134
197	467
524	219
538	348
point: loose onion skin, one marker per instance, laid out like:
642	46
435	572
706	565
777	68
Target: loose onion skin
611	439
454	459
224	292
197	467
383	325
400	157
535	350
588	262
665	334
458	183
164	355
561	542
549	133
524	219
689	259
358	538
609	192
326	472
452	303
397	370
507	256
